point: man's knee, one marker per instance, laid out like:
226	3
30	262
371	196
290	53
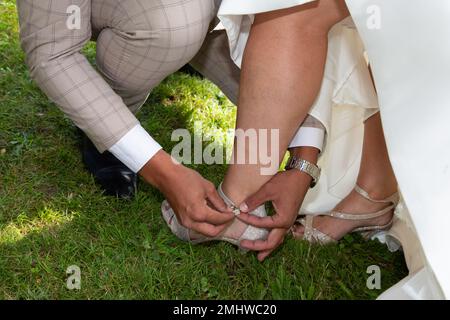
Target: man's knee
170	24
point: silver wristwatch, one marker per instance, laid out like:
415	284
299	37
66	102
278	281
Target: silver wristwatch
306	167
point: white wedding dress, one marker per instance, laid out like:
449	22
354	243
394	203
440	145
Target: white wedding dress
409	52
412	99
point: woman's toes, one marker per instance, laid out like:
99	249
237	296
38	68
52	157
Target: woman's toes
297	231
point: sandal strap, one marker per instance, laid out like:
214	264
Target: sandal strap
391	199
172	222
375	228
251	232
366	216
312	234
228	201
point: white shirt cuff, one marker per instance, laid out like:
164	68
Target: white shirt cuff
308	137
135	148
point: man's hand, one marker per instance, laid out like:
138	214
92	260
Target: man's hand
286	190
189	194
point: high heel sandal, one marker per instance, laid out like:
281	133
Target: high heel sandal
183	233
314	235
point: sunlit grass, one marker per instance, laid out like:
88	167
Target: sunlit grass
52	215
23	225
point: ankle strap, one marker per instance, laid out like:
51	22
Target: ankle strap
391	199
355	217
227	200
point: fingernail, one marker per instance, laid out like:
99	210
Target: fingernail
243	207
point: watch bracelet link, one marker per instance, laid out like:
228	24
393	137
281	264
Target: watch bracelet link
304	166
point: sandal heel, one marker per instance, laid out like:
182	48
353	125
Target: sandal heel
314	235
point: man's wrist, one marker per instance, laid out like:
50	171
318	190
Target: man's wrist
159	169
310	154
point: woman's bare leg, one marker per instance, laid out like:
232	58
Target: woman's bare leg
282	72
375	176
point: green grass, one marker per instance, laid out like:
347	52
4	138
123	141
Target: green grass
52	215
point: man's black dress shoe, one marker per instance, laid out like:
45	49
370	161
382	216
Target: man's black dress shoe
115	178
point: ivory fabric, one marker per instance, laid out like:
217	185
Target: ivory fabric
237	18
409	53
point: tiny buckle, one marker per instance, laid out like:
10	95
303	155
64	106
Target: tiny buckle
235	210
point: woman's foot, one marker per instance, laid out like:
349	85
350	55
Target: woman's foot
234	233
354	204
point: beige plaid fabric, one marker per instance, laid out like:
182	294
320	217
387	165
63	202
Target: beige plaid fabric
214	62
139	43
